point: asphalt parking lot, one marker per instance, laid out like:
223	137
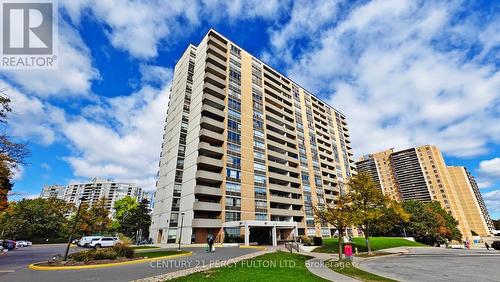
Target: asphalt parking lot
438	264
18	259
14	265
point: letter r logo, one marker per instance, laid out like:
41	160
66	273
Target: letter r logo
27	28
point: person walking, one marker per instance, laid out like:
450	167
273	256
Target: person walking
210	243
487	246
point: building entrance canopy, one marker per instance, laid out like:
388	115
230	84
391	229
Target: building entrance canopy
273	225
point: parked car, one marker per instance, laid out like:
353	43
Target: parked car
104	242
9	244
496	245
86	240
24	243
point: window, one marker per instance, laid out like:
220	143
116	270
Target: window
259	180
233	137
233	104
260	216
258	155
261	204
233	125
233	216
233	202
258	144
233	174
235	114
259	167
258	133
260	192
233	187
234	162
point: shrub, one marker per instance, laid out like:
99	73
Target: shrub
305	240
104	254
318	241
98	254
126	241
123	250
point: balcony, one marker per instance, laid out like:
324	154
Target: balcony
206	223
285	212
213	90
209	177
206	149
212	124
285	200
206	206
213	101
209	163
216	113
207	190
215	80
211	137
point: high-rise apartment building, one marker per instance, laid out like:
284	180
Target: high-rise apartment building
421	174
53	191
94	190
247	152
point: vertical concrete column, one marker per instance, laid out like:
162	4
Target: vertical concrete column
295	233
247	235
275	241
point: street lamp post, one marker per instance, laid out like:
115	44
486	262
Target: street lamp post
73	229
180	235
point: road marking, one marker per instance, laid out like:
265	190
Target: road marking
7	271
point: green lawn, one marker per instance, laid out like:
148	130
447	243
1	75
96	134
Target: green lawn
144	247
348	269
155	254
377	243
278	266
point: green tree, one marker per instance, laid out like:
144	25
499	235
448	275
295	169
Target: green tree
124	206
93	220
392	222
430	224
496	224
34	219
369	203
137	219
340	215
12	154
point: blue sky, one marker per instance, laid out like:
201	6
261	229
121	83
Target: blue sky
404	72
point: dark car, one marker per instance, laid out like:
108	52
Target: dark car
496	245
9	244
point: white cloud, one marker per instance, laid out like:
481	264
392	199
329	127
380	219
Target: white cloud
125	147
490	168
492	200
142	27
391	67
73	75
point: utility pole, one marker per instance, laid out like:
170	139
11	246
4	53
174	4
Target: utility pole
180	236
73	229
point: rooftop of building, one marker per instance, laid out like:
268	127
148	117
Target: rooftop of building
267	65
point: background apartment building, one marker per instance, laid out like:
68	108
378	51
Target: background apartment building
246	151
94	190
421	174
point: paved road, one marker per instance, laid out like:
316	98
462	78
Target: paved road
121	273
19	258
436	264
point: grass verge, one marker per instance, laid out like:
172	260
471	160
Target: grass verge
348	269
155	254
144	247
377	243
277	266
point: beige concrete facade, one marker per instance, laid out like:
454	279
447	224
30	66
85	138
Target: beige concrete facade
421	173
244	143
473	207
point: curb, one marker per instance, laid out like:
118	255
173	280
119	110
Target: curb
253	247
34	266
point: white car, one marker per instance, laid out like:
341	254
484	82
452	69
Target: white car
86	240
24	243
104	242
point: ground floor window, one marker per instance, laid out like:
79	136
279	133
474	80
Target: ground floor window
233	235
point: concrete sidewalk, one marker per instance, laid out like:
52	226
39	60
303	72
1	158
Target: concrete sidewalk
318	266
